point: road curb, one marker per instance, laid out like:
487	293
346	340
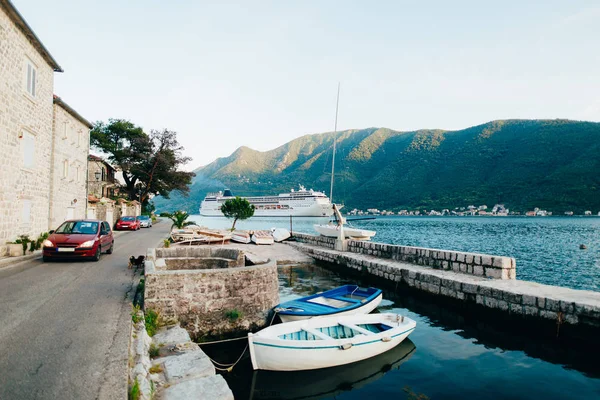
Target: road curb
10	262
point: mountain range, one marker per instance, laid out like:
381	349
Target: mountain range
550	164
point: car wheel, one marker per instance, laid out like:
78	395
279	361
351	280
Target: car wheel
97	255
110	251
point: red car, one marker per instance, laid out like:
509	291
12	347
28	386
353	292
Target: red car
128	224
79	238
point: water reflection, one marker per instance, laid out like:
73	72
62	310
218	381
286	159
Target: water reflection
330	382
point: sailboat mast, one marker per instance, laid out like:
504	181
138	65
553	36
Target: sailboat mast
337	103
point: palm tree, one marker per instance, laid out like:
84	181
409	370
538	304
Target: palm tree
179	219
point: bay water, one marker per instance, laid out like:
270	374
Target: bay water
547	249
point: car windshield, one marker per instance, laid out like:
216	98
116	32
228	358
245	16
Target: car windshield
127	219
83	227
144	217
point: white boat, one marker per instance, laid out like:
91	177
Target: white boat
295	203
327	341
240	237
339	229
280	234
262	237
281	385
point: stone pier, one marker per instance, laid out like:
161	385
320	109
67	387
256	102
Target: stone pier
484	280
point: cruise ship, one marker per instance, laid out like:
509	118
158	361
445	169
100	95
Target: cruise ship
296	203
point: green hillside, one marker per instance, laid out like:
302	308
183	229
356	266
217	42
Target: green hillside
551	164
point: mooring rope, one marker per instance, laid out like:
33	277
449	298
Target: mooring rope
229	367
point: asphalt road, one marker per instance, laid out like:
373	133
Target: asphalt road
64	326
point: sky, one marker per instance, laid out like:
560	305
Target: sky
227	74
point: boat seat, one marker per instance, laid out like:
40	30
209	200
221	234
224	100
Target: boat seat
357	328
347	299
310	308
317	333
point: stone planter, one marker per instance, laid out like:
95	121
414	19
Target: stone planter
15	250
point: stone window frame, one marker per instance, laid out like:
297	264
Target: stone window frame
65	171
25	201
65	134
30	79
25	134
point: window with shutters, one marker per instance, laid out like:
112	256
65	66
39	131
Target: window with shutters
30	78
28	150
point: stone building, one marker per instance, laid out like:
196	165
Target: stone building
33	195
101	178
26	90
70	149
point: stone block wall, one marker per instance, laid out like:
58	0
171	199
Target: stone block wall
201	299
25	190
315	240
527	299
488	266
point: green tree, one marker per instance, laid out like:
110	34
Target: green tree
237	208
179	219
151	164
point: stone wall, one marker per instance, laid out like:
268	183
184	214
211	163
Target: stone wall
315	240
493	267
71	146
204	300
25	190
527	299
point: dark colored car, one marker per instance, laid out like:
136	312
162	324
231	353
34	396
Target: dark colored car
128	224
87	238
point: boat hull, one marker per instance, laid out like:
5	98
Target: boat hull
355	233
269	352
364	309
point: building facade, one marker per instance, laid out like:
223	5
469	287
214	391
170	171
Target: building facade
26	90
70	149
101	178
32	150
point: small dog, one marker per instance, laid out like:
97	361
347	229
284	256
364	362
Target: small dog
137	262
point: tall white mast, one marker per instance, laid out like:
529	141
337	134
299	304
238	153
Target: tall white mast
334	140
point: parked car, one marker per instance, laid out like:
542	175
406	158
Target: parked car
128	224
79	238
145	221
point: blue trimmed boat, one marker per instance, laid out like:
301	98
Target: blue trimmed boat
343	300
326	342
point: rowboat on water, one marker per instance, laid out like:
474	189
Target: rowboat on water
327	342
283	385
262	237
343	300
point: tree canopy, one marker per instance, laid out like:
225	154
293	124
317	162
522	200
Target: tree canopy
237	208
150	163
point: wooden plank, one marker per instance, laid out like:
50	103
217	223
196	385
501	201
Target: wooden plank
317	333
357	328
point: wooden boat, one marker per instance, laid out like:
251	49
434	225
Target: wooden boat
344	300
194	234
240	237
262	237
328	384
280	234
327	342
